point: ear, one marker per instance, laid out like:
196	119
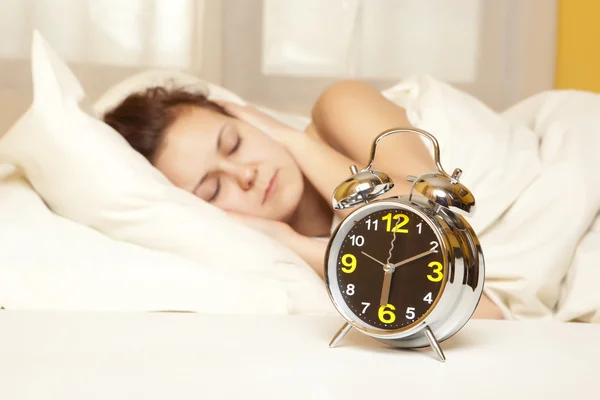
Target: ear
52	78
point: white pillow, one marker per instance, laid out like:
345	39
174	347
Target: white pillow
85	171
161	77
51	263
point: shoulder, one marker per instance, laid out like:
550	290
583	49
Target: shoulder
344	109
341	95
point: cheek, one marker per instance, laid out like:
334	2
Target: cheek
176	174
264	147
180	168
233	199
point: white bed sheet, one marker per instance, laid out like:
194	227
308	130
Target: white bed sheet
73	356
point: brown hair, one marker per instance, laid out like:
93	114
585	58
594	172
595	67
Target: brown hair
143	117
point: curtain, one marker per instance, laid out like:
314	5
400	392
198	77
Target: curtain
383	39
155	33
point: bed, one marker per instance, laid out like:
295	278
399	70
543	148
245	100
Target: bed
114	245
77	355
68	223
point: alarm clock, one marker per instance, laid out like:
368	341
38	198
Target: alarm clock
406	270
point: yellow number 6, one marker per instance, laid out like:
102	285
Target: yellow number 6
437	271
386	316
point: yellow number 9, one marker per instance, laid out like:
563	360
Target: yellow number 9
349	261
387	316
437	271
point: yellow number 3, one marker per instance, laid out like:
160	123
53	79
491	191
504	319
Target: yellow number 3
437	271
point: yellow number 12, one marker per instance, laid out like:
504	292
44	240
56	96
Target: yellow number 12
388	218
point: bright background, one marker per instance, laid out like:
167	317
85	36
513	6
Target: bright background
283	53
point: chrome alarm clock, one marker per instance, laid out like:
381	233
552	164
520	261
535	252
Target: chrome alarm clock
406	270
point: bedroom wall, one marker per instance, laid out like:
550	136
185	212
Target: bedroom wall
578	45
283	54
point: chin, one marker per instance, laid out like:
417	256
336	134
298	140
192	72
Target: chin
285	210
283	213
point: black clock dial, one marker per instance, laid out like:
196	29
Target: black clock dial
389	237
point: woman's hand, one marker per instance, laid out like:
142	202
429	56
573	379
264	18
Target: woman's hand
267	124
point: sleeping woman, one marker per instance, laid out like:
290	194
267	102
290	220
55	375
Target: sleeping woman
268	175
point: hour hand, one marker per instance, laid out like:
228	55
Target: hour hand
387	283
373	258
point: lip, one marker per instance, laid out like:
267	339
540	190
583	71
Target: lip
271	187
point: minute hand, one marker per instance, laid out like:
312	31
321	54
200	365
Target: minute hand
413	258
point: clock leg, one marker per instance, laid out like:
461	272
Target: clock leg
434	344
340	334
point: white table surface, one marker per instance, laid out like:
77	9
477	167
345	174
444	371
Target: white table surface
50	355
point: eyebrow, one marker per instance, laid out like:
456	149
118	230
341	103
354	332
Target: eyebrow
217	148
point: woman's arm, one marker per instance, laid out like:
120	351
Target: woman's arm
346	119
350	114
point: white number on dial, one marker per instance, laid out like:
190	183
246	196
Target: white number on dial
434	246
350	289
428	298
366	306
372	223
357	240
410	313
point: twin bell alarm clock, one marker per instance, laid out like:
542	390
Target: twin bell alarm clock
406	270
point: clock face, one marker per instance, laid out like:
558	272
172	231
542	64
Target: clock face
389	270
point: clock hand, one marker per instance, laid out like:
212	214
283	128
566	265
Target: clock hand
373	258
413	258
389	270
387	283
387	277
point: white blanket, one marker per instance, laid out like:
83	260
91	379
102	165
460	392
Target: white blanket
534	170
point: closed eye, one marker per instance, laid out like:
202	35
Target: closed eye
236	146
217	190
229	140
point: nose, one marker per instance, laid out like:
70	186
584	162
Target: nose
244	174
